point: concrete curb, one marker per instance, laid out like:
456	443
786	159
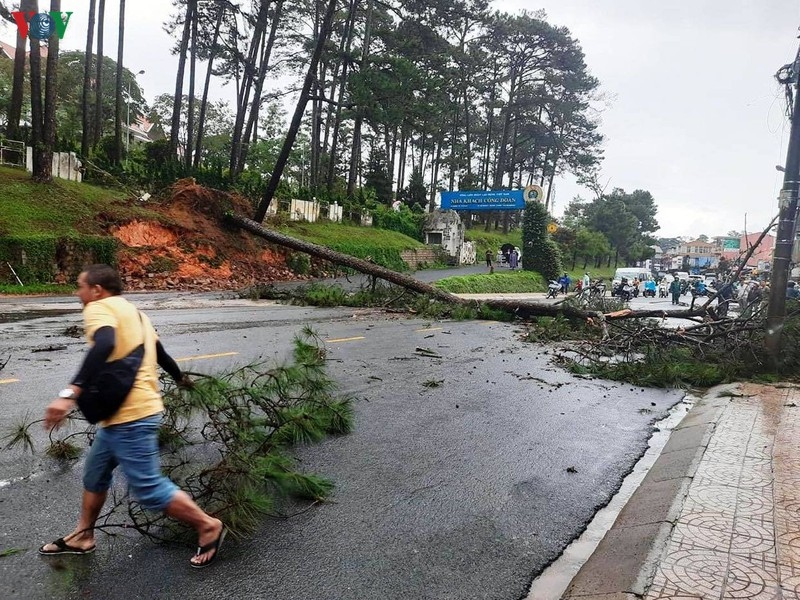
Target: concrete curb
624	563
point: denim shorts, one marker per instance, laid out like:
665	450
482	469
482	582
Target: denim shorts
134	447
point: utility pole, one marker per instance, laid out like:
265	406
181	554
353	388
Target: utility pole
787	218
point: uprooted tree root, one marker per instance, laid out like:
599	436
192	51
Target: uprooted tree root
226	442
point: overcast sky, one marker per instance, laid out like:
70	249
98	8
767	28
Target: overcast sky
693	112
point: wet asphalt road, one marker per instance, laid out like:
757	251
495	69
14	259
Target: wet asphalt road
458	491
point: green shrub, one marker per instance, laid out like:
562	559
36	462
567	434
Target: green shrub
39	258
324	295
405	221
299	263
162	264
539	253
493	283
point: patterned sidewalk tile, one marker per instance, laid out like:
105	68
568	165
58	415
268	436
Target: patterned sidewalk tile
738	534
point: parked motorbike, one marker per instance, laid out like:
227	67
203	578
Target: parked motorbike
599	289
624	291
553	288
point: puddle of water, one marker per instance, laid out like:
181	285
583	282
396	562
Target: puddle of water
553	581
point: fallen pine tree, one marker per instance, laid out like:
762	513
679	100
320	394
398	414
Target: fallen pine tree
621	343
524	309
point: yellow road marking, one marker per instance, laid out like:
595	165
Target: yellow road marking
350	339
8	381
429	329
203	356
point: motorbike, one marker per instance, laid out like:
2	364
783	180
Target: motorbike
649	289
662	290
625	291
553	288
599	289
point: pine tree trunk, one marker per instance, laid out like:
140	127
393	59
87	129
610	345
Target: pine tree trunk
190	111
118	91
17	89
201	121
339	83
489	131
98	76
550	186
502	151
294	127
37	112
87	83
177	105
337	120
435	175
243	96
252	119
355	156
522	309
404	144
50	91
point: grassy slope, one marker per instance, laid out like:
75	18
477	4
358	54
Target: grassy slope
334	235
380	245
60	208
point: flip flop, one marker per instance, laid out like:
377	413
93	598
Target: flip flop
215	545
64	548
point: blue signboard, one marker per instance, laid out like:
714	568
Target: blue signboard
484	200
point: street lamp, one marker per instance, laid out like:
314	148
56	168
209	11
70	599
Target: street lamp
128	121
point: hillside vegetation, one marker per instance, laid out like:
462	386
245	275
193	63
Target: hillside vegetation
49	231
381	245
62	208
492	240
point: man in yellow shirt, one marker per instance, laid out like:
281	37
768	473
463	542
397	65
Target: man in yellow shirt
129	438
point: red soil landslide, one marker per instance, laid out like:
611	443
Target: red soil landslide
190	250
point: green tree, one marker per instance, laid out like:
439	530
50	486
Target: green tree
377	177
624	219
416	192
539	253
70	96
217	124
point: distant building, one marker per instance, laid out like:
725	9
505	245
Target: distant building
700	254
762	256
9	51
658	257
143	131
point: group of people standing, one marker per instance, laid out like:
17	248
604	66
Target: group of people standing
509	256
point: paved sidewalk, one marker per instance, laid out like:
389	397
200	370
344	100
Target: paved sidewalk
718	515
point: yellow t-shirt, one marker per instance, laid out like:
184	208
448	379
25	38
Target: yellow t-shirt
144	399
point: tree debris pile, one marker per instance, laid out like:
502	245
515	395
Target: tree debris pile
190	250
227	441
708	352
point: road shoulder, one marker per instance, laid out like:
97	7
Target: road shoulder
625	562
